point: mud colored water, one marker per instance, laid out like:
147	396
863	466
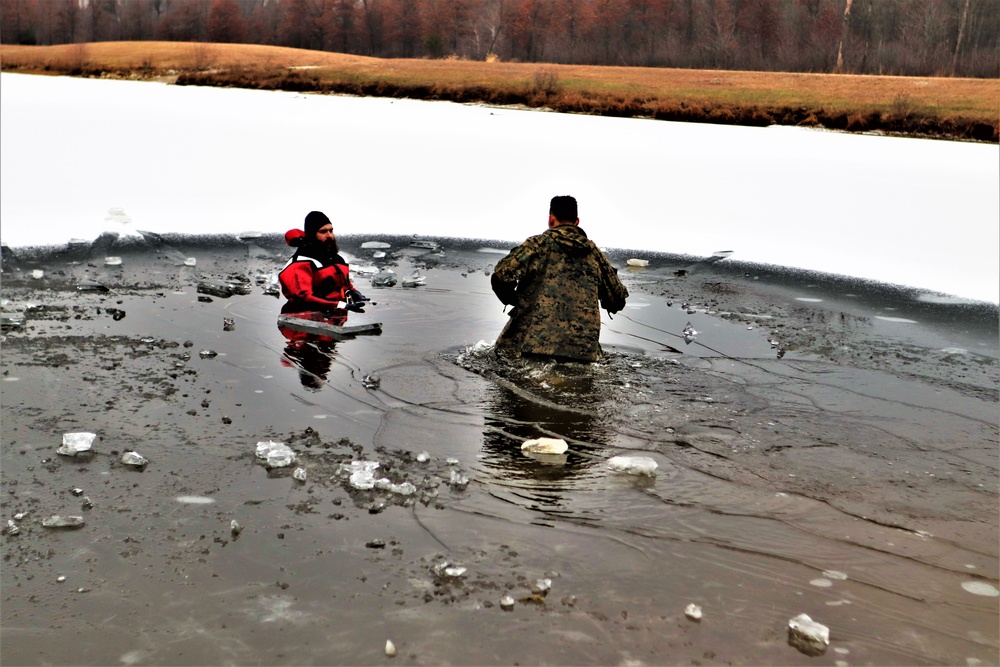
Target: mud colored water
812	458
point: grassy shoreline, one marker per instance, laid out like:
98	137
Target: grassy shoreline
942	108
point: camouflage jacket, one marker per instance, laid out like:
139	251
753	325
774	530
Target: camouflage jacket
555	282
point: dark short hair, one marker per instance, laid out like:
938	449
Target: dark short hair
563	208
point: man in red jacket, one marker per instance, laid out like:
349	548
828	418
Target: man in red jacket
317	278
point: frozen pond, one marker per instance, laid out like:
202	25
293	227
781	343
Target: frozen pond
912	212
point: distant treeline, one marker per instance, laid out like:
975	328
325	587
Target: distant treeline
901	37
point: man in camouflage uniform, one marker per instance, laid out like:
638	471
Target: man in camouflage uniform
555	282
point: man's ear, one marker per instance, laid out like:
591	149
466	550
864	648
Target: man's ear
552	221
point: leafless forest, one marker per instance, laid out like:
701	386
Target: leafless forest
893	37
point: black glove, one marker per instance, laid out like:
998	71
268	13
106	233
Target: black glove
355	307
354	296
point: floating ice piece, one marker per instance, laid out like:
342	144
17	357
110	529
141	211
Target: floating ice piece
637	262
112	261
275	454
299	474
980	588
224	288
390	648
423	457
693	612
544	446
689	333
415	280
633	465
37	273
208	354
541	587
235	528
365	270
375	244
74	443
250	235
378	254
385	278
446	569
457	479
507	603
426	245
134	459
362	473
808	636
56	521
195	500
404	489
190	261
371	381
12	528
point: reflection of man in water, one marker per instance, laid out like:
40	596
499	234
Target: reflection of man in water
557	282
311	354
317	278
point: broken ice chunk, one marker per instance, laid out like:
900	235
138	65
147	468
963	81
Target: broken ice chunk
74	443
56	521
689	333
545	446
361	473
385	278
808	636
275	454
415	280
134	459
633	465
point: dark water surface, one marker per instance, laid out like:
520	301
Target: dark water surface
836	457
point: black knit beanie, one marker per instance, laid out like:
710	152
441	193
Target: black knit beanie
314	221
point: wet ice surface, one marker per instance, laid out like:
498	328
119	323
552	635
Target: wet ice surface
865	458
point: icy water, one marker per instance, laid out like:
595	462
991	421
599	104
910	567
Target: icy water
822	447
82	156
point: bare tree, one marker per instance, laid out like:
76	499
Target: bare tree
958	40
840	48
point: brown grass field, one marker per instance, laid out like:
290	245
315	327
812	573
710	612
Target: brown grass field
947	108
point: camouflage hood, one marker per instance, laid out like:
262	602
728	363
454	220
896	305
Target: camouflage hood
570	239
